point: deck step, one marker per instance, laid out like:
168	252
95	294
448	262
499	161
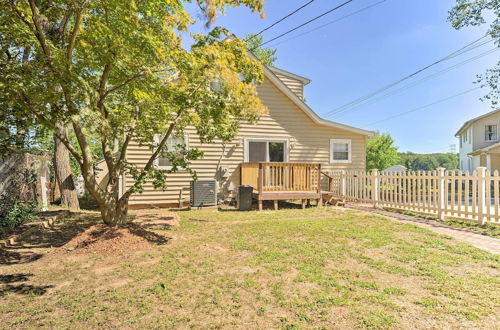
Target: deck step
330	199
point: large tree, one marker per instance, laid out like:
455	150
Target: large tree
381	152
266	55
472	13
115	71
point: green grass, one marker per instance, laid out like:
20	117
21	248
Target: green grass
488	229
317	268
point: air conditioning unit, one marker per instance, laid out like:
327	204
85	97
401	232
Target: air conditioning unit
204	193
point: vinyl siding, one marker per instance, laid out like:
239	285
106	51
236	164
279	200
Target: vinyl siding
309	142
479	130
296	86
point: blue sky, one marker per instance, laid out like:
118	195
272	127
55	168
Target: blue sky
359	54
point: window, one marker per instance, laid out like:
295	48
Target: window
340	151
173	144
490	133
262	150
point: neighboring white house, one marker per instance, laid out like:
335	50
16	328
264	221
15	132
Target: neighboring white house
479	142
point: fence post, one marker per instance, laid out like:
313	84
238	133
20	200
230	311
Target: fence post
441	203
342	183
375	187
481	194
43	188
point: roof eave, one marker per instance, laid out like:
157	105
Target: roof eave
304	80
473	120
270	74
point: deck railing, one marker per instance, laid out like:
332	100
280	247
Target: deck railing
265	176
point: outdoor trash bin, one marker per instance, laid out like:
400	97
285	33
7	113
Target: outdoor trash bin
245	198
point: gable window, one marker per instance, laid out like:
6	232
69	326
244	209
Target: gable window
173	144
264	150
490	133
340	151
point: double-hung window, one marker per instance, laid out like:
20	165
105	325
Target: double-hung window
266	150
490	133
174	144
340	151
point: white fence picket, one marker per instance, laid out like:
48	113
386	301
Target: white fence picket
465	195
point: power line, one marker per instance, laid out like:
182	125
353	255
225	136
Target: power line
456	53
329	23
280	20
405	87
424	106
304	24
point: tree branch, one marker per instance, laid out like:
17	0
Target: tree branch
21	16
74	33
138	75
40	35
42	119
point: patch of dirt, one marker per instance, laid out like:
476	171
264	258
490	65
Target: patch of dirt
147	218
105	240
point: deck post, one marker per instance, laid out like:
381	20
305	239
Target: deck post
303	203
481	195
260	184
275	204
320	200
441	202
375	187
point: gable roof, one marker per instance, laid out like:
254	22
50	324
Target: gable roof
473	120
304	80
269	74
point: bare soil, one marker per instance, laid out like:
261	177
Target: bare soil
105	240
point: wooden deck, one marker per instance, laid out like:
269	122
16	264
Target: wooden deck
283	181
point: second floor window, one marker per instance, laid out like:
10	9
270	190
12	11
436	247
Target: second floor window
490	133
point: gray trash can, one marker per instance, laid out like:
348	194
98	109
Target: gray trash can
245	198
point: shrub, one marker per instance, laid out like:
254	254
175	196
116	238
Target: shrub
14	209
16	214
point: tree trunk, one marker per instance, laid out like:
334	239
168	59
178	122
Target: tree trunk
114	211
69	196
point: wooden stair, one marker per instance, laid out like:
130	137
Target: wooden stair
329	199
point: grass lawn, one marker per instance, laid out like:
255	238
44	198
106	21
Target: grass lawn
488	229
318	268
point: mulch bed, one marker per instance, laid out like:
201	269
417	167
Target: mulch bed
104	240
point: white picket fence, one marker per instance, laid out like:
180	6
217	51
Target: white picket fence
473	196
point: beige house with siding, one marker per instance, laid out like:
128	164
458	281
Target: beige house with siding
480	143
290	133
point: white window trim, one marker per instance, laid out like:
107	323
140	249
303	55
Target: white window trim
156	161
261	139
349	149
496	139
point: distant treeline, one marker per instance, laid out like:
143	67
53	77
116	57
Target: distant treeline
427	162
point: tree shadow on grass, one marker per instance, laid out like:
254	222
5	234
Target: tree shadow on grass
9	256
15	283
148	235
29	248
